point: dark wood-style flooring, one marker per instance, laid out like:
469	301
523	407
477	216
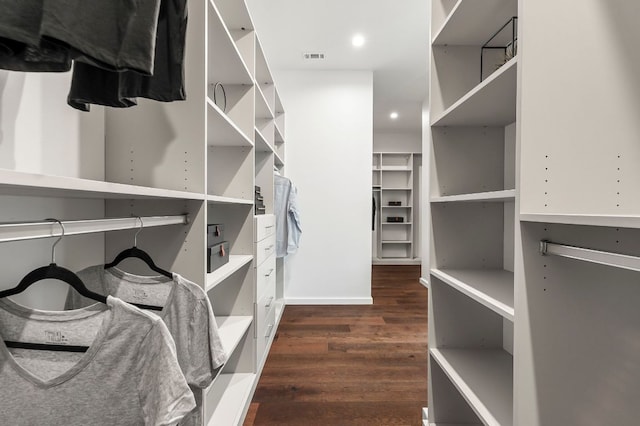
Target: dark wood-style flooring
350	365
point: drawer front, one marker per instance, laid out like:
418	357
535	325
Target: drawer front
265	226
266	321
265	276
265	248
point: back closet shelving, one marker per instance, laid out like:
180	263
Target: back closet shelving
201	157
518	158
395	181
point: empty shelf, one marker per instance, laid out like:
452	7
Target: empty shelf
221	130
219	275
492	288
484	377
497	196
583	219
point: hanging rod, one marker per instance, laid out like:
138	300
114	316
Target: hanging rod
19	231
617	260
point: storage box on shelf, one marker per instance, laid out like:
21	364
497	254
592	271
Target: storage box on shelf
472	198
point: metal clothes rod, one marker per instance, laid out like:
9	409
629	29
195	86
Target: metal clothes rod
20	231
617	260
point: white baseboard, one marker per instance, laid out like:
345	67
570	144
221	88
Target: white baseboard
329	301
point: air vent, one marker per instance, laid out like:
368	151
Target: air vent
313	55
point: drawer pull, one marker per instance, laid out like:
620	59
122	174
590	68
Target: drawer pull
270	272
268	305
268	248
269	330
268	227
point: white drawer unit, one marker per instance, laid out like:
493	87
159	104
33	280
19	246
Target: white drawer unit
265	276
265	226
265	317
265	248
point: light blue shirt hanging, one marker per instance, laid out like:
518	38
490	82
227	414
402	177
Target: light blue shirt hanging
288	227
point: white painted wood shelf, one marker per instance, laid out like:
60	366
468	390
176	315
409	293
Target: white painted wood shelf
484	377
279	162
491	103
41	185
263	110
395	169
397	223
472	22
632	222
222	131
217	199
232	329
236	262
492	196
262	145
396	242
396	189
395	207
227	64
233	392
491	288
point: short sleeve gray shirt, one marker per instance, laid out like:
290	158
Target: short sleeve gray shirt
186	311
129	376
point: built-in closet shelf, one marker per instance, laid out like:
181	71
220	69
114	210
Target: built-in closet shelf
581	219
216	199
278	161
236	261
454	424
472	22
261	142
495	196
396	189
394	169
39	185
424	282
234	391
491	287
396	242
222	131
231	330
484	377
396	207
226	64
492	102
263	110
397	223
279	136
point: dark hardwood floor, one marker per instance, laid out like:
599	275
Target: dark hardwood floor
350	365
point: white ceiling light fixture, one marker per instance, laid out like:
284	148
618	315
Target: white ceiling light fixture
358	40
393	115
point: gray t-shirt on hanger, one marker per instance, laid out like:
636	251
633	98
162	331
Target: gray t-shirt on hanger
129	376
186	311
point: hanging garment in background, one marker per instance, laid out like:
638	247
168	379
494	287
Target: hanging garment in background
373	214
288	226
130	370
95	85
186	311
21	46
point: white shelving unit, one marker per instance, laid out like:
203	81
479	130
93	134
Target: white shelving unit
394	180
514	335
472	202
201	157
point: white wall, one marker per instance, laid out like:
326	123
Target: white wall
40	133
329	139
384	141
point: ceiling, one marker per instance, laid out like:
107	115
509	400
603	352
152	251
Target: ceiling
396	33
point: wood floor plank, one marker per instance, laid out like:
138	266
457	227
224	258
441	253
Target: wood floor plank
350	365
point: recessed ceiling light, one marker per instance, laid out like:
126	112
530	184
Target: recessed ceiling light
358	40
393	115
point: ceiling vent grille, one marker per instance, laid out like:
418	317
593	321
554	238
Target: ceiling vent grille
313	55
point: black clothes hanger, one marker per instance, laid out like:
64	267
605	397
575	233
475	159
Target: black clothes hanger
135	252
52	271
